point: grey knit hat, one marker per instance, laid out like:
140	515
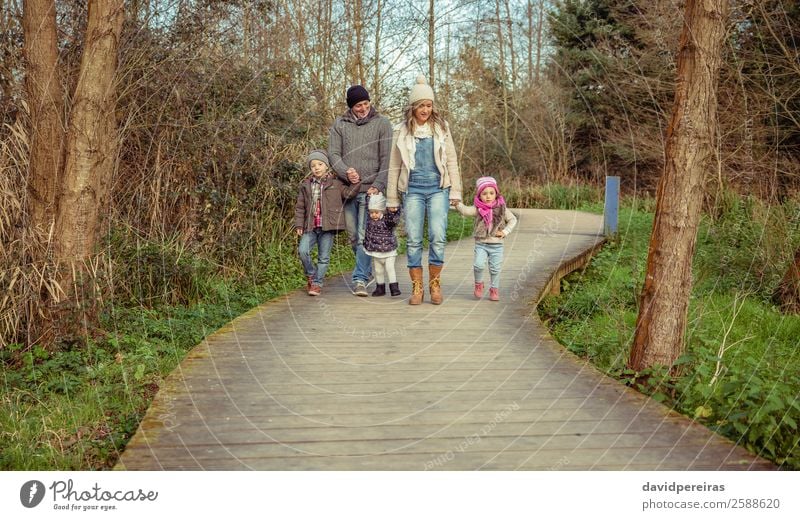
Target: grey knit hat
318	155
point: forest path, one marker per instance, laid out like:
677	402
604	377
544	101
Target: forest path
344	383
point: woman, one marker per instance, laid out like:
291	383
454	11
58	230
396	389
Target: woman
423	167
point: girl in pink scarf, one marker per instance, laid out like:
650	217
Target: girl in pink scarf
493	222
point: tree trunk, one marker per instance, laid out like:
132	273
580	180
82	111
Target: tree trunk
359	29
503	79
539	24
660	326
376	84
431	47
91	150
529	35
46	105
787	295
512	54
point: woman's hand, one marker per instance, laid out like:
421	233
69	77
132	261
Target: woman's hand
500	234
454	202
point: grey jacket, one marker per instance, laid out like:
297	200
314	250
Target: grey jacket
362	144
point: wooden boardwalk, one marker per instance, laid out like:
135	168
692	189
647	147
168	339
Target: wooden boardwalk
345	383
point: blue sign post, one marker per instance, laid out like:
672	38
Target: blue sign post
611	209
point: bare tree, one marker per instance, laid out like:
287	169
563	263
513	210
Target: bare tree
661	324
511	53
539	28
91	141
73	196
376	79
46	105
529	18
431	43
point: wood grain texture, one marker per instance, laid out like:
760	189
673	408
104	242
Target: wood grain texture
344	383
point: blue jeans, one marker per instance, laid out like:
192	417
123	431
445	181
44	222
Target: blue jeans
324	241
355	221
494	254
433	204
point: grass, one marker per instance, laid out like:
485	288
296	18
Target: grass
75	409
740	374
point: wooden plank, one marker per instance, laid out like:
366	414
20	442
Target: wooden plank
339	382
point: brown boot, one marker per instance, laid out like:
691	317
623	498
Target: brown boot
434	272
416	285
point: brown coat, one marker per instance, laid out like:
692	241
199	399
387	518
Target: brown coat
334	194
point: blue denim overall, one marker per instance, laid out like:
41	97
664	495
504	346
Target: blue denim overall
425	197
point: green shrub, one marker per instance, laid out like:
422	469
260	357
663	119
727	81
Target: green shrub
149	273
746	246
739	374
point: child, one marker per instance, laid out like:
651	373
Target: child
318	216
381	244
493	222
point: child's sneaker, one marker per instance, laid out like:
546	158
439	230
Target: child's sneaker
314	290
494	295
478	290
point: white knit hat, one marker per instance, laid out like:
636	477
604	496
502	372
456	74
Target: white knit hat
420	91
376	202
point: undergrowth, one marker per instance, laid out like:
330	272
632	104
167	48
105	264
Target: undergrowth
740	373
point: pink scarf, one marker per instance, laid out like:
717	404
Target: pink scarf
485	210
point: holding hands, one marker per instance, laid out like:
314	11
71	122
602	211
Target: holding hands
353	176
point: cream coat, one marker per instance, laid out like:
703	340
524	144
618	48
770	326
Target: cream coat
444	151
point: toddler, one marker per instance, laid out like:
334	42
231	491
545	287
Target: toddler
493	223
381	244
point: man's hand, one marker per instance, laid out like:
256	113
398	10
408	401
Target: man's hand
454	202
353	176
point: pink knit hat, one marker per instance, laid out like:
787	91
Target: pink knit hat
485	182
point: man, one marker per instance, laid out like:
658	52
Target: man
358	148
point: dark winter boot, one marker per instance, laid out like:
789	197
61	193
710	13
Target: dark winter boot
394	288
380	289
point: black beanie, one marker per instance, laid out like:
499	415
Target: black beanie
356	94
